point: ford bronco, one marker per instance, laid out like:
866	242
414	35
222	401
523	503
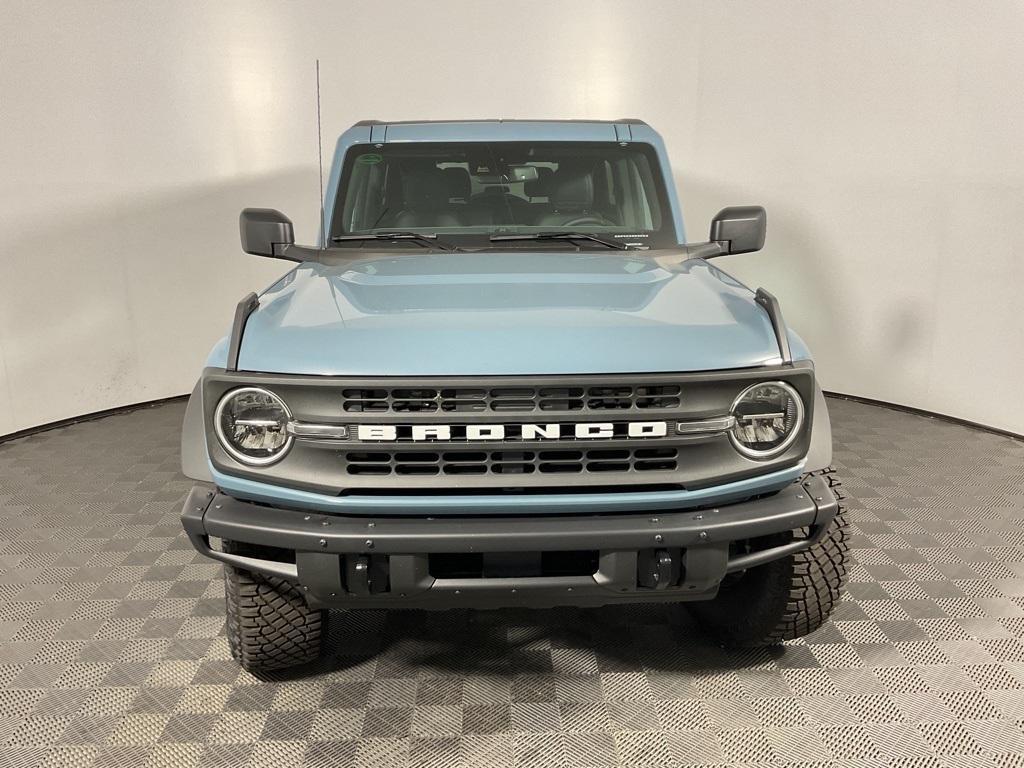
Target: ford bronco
504	378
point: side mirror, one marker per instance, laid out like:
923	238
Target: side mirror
265	232
739	229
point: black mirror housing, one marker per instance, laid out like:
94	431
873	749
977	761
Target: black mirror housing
265	232
739	229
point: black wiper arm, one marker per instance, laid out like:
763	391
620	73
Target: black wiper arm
429	241
607	241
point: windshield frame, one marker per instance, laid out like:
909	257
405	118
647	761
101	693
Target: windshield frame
478	237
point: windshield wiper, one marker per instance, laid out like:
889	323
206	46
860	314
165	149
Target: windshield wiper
429	241
606	241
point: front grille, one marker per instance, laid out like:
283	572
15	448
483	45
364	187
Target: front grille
601	433
607	397
454	463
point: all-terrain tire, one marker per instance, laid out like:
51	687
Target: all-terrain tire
270	625
784	599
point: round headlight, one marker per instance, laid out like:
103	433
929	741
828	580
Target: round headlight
252	425
768	419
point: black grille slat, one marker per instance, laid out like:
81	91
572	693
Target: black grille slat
463	400
617	397
608	466
598	460
366	400
465	469
560	399
463	457
561	467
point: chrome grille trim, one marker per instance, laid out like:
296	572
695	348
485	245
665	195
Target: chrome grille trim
706	426
319	431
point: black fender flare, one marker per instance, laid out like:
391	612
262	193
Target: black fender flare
195	462
819	455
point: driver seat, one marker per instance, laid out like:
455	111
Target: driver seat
426	194
571	195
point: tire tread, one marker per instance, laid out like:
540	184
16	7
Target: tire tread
798	593
269	624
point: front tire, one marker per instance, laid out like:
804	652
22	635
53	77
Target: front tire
784	599
270	626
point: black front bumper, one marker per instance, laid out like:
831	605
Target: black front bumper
360	562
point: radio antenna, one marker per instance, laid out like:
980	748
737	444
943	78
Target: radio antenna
320	160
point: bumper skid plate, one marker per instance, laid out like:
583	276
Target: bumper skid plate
362	562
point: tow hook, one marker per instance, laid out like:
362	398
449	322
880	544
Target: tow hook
658	568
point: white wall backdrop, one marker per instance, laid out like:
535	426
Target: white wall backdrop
884	139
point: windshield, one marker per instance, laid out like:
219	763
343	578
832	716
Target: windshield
467	192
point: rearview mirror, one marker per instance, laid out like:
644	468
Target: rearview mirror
525	173
739	229
265	232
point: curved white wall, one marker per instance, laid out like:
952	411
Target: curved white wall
884	140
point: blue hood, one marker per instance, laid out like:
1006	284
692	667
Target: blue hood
506	313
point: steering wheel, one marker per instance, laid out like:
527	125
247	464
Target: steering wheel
600	221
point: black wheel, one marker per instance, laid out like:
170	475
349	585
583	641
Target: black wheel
786	598
270	625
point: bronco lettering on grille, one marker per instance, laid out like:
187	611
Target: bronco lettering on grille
590	430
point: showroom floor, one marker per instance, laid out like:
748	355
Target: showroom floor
113	650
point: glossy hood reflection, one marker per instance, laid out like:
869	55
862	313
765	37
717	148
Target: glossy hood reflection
507	313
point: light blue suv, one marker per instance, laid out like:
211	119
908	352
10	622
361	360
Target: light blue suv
504	378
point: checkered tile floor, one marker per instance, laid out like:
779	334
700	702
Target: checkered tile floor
112	647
